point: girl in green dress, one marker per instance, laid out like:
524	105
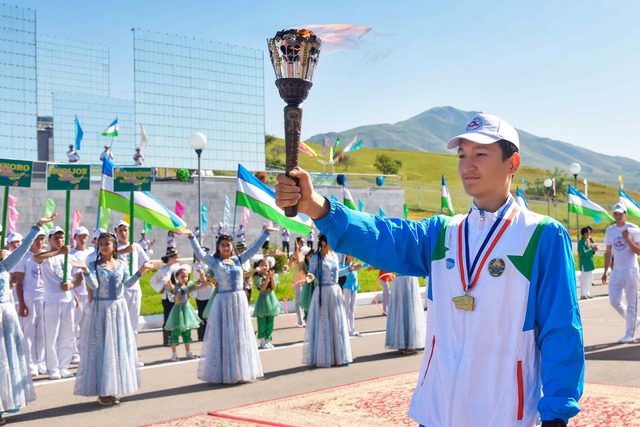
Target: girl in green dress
183	317
267	306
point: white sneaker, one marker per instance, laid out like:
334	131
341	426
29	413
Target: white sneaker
64	373
54	375
140	364
627	340
269	345
263	344
191	356
174	357
75	359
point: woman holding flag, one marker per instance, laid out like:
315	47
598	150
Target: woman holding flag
229	351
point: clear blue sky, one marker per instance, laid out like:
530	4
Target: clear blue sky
567	70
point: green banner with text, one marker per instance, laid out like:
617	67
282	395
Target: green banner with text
67	176
15	173
132	179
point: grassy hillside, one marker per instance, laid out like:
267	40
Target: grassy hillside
421	172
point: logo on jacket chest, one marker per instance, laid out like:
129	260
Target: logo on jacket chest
496	267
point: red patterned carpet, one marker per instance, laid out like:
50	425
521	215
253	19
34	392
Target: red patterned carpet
384	402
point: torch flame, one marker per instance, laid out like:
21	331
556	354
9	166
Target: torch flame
336	37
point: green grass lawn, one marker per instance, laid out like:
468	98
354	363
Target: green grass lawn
152	304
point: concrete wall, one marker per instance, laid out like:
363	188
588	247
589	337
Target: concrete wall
31	202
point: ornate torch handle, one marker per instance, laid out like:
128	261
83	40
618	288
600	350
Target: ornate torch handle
292	126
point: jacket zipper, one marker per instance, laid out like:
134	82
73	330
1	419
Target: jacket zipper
520	392
433	346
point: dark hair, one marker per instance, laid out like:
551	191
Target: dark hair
171	252
109	236
584	230
175	273
322	238
221	237
508	149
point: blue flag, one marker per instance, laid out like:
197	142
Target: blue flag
520	200
79	133
381	212
203	212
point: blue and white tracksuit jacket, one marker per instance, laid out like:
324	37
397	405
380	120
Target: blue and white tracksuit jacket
489	366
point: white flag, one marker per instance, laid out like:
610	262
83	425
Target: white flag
143	137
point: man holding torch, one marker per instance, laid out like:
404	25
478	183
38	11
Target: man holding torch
504	335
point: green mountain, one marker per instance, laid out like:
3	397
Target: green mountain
430	131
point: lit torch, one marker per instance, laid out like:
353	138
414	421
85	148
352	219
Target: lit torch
294	55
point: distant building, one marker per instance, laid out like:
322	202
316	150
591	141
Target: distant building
181	85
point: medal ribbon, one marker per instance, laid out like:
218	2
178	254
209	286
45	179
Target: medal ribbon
472	268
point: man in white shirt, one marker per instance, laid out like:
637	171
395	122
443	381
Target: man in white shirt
59	305
106	154
30	291
623	243
138	157
132	295
72	154
81	252
240	234
286	234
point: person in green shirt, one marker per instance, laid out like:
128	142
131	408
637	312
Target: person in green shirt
586	250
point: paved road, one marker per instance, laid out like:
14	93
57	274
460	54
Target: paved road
171	390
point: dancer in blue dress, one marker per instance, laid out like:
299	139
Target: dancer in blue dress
229	351
109	360
16	387
406	325
326	339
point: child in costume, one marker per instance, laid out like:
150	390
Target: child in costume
267	306
183	317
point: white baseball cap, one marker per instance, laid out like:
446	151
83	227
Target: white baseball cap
41	232
14	237
486	129
619	207
97	232
121	223
55	230
81	230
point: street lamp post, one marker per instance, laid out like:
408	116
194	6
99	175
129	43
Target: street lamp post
575	170
197	141
548	183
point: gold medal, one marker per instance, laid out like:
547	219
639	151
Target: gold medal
464	302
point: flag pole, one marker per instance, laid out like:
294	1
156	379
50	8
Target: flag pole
66	233
5	208
132	219
568	211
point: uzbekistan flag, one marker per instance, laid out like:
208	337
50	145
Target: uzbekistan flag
347	200
633	209
112	129
259	198
147	208
446	207
520	200
578	203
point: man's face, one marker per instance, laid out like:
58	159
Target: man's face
56	241
620	217
81	239
37	245
482	170
14	245
122	233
